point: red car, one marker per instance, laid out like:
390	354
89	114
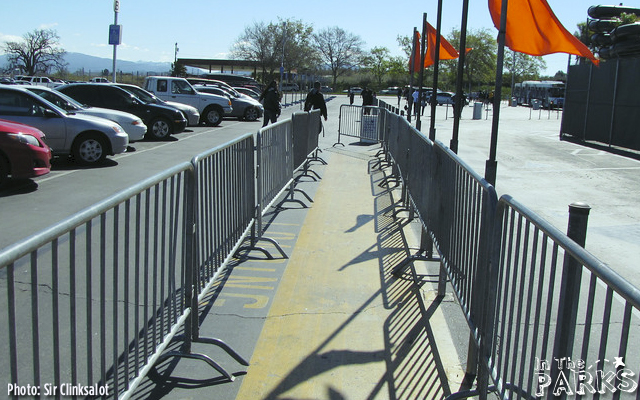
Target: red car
23	152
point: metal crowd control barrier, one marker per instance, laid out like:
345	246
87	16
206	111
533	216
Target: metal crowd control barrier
558	321
456	208
98	301
306	127
546	318
365	123
95	299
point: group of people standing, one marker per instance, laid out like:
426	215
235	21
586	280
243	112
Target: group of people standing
271	96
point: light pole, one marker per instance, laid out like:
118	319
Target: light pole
115	35
284	39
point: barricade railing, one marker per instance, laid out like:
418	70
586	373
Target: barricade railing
545	316
96	298
100	300
364	122
307	127
225	204
559	321
456	208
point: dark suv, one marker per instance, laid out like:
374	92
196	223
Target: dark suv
161	121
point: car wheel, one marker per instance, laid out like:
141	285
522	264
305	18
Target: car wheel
161	128
212	116
4	171
89	149
251	114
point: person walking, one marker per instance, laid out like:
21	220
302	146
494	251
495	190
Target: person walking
315	100
367	100
270	99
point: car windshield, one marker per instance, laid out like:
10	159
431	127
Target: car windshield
180	87
141	94
60	100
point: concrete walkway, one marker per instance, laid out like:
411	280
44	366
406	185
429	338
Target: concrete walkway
331	322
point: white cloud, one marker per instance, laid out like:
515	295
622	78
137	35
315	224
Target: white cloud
50	25
9	38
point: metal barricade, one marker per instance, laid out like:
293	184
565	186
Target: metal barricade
364	122
559	320
115	284
306	131
95	299
546	318
225	204
275	162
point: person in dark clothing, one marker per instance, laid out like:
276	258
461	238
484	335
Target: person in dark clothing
315	100
367	100
270	99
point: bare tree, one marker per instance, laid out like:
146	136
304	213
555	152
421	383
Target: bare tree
339	49
257	43
283	43
38	52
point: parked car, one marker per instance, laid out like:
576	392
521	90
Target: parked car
211	107
391	90
132	124
88	139
326	89
99	80
23	152
162	121
40	81
444	98
289	87
354	90
249	92
190	113
244	107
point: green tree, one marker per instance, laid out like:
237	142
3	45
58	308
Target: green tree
377	62
523	66
178	69
480	61
340	50
37	53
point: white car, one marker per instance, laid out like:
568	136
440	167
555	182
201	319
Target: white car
132	124
88	139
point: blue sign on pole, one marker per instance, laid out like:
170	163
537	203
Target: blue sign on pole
115	34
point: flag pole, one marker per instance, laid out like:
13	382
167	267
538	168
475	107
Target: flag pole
421	74
491	166
436	65
461	58
411	70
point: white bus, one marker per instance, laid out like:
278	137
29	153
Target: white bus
550	93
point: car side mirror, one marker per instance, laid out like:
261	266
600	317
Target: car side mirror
49	113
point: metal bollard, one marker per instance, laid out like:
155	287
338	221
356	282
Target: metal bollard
570	286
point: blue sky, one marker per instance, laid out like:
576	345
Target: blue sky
208	29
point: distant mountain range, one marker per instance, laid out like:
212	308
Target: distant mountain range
94	65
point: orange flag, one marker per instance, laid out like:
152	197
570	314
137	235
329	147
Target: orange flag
533	28
414	60
447	51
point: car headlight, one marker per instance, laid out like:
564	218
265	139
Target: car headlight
117	128
25	139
